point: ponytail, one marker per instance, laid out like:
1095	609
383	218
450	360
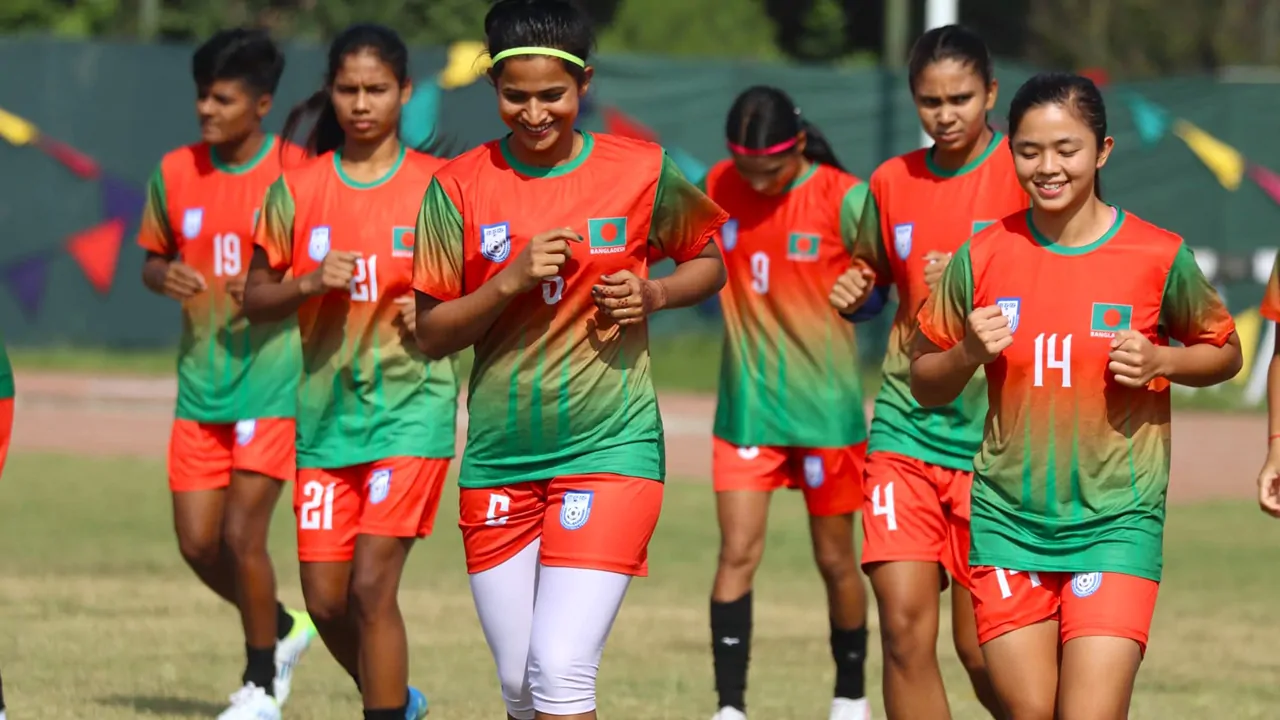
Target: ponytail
817	148
325	134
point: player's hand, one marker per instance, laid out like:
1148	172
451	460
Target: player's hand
235	288
852	289
1269	482
1135	361
988	334
627	299
542	258
407	320
334	273
935	263
182	281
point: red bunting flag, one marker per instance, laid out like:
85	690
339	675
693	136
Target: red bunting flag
618	123
1099	76
1267	180
97	250
76	161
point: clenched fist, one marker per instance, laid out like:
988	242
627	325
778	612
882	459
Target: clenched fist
182	281
1134	360
334	273
852	289
627	299
542	258
988	334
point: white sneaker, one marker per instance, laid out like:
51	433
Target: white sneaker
729	713
251	703
846	709
289	651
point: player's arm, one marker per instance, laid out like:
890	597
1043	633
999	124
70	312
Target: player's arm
954	339
268	297
684	221
862	291
1192	313
162	272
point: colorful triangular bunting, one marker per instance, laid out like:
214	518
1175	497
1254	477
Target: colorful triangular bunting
1267	180
1151	121
97	250
76	161
618	123
419	116
467	60
120	199
26	279
693	168
16	130
1223	160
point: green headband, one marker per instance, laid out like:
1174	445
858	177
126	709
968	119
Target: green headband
570	57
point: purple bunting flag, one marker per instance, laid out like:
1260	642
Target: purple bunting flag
26	279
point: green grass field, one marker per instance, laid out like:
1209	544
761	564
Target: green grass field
100	619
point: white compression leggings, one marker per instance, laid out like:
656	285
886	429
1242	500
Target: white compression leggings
546	627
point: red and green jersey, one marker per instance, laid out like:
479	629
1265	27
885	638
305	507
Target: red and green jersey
1271	298
367	393
789	368
915	207
6	373
1073	469
202	211
557	388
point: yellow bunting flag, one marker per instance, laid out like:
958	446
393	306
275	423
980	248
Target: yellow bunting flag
16	130
467	61
1223	160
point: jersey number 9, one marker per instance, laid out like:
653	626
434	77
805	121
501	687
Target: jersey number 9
552	289
760	273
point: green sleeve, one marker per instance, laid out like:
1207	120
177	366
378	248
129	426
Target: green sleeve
944	317
869	245
684	218
438	246
6	373
1191	311
851	208
274	233
155	234
702	184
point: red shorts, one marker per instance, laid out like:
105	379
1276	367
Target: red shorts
831	478
595	522
396	497
202	455
6	429
1083	604
916	511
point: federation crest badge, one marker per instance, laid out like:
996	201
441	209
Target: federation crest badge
729	234
495	241
576	509
814	475
902	239
1085	584
1011	308
192	222
245	430
318	245
379	485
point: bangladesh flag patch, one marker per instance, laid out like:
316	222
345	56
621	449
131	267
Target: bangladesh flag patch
1110	318
607	235
803	246
402	242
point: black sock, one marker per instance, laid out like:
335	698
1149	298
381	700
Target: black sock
849	650
388	714
356	679
261	667
731	649
1	696
284	622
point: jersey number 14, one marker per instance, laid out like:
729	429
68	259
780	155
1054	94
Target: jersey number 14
1047	358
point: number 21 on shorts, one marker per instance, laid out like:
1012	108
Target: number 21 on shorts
882	504
316	512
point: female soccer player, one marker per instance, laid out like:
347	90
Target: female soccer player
534	248
921	207
1069	309
232	446
1269	478
788	389
375	418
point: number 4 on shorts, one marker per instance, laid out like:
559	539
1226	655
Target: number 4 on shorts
885	508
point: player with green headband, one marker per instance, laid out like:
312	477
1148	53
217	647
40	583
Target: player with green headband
534	249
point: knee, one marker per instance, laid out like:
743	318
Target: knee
908	634
200	549
1032	706
837	565
741	557
373	592
562	680
243	537
324	605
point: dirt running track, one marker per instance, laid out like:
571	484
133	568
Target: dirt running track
1215	455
